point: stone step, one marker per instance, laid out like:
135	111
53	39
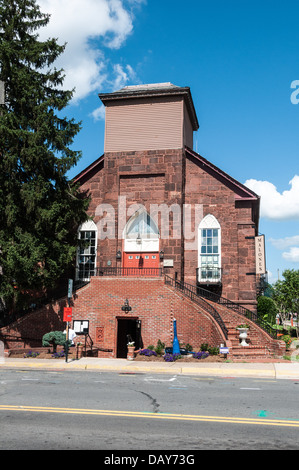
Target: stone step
250	351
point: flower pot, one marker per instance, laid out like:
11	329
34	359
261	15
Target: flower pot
130	353
243	336
79	351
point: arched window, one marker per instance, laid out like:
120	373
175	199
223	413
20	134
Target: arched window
87	254
209	250
142	225
141	233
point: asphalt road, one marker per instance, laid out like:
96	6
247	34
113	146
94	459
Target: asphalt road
48	410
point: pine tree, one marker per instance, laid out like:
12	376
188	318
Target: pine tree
40	209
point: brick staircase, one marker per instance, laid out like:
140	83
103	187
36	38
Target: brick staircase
257	347
260	344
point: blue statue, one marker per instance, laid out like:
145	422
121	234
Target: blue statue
175	344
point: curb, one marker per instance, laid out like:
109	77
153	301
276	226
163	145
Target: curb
248	370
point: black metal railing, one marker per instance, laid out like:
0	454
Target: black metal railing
191	292
126	272
209	275
216	298
7	318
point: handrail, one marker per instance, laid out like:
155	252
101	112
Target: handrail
190	292
127	272
7	318
216	298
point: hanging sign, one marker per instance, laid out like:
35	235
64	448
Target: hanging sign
260	257
67	314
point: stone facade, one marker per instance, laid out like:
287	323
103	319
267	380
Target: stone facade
178	179
177	189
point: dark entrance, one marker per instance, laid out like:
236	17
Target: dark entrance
128	329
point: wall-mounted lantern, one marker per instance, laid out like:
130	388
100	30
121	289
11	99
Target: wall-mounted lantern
161	255
126	307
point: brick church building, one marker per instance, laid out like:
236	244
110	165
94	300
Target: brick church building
166	229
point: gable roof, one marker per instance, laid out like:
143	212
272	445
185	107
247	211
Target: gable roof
241	191
90	169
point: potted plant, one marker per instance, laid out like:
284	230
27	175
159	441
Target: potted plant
243	329
79	350
131	349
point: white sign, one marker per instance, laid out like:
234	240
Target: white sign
168	263
260	257
80	326
224	350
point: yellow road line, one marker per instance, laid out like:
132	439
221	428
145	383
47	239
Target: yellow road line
136	414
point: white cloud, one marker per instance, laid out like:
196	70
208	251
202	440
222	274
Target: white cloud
292	255
83	25
283	243
121	76
275	205
98	114
288	242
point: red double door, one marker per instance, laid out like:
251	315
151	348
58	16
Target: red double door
144	264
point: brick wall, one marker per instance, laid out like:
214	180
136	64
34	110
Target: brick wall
100	302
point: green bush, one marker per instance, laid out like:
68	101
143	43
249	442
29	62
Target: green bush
55	338
212	350
287	339
267	309
159	349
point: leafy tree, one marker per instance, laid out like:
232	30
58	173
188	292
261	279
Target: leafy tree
267	309
286	293
40	209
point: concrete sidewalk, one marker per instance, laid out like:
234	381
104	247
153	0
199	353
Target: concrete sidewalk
123	366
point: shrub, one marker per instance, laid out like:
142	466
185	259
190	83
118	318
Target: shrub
210	349
214	351
267	309
160	347
55	338
287	339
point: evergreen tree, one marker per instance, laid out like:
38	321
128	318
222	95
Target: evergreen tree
40	209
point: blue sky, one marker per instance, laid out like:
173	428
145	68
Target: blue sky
239	58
